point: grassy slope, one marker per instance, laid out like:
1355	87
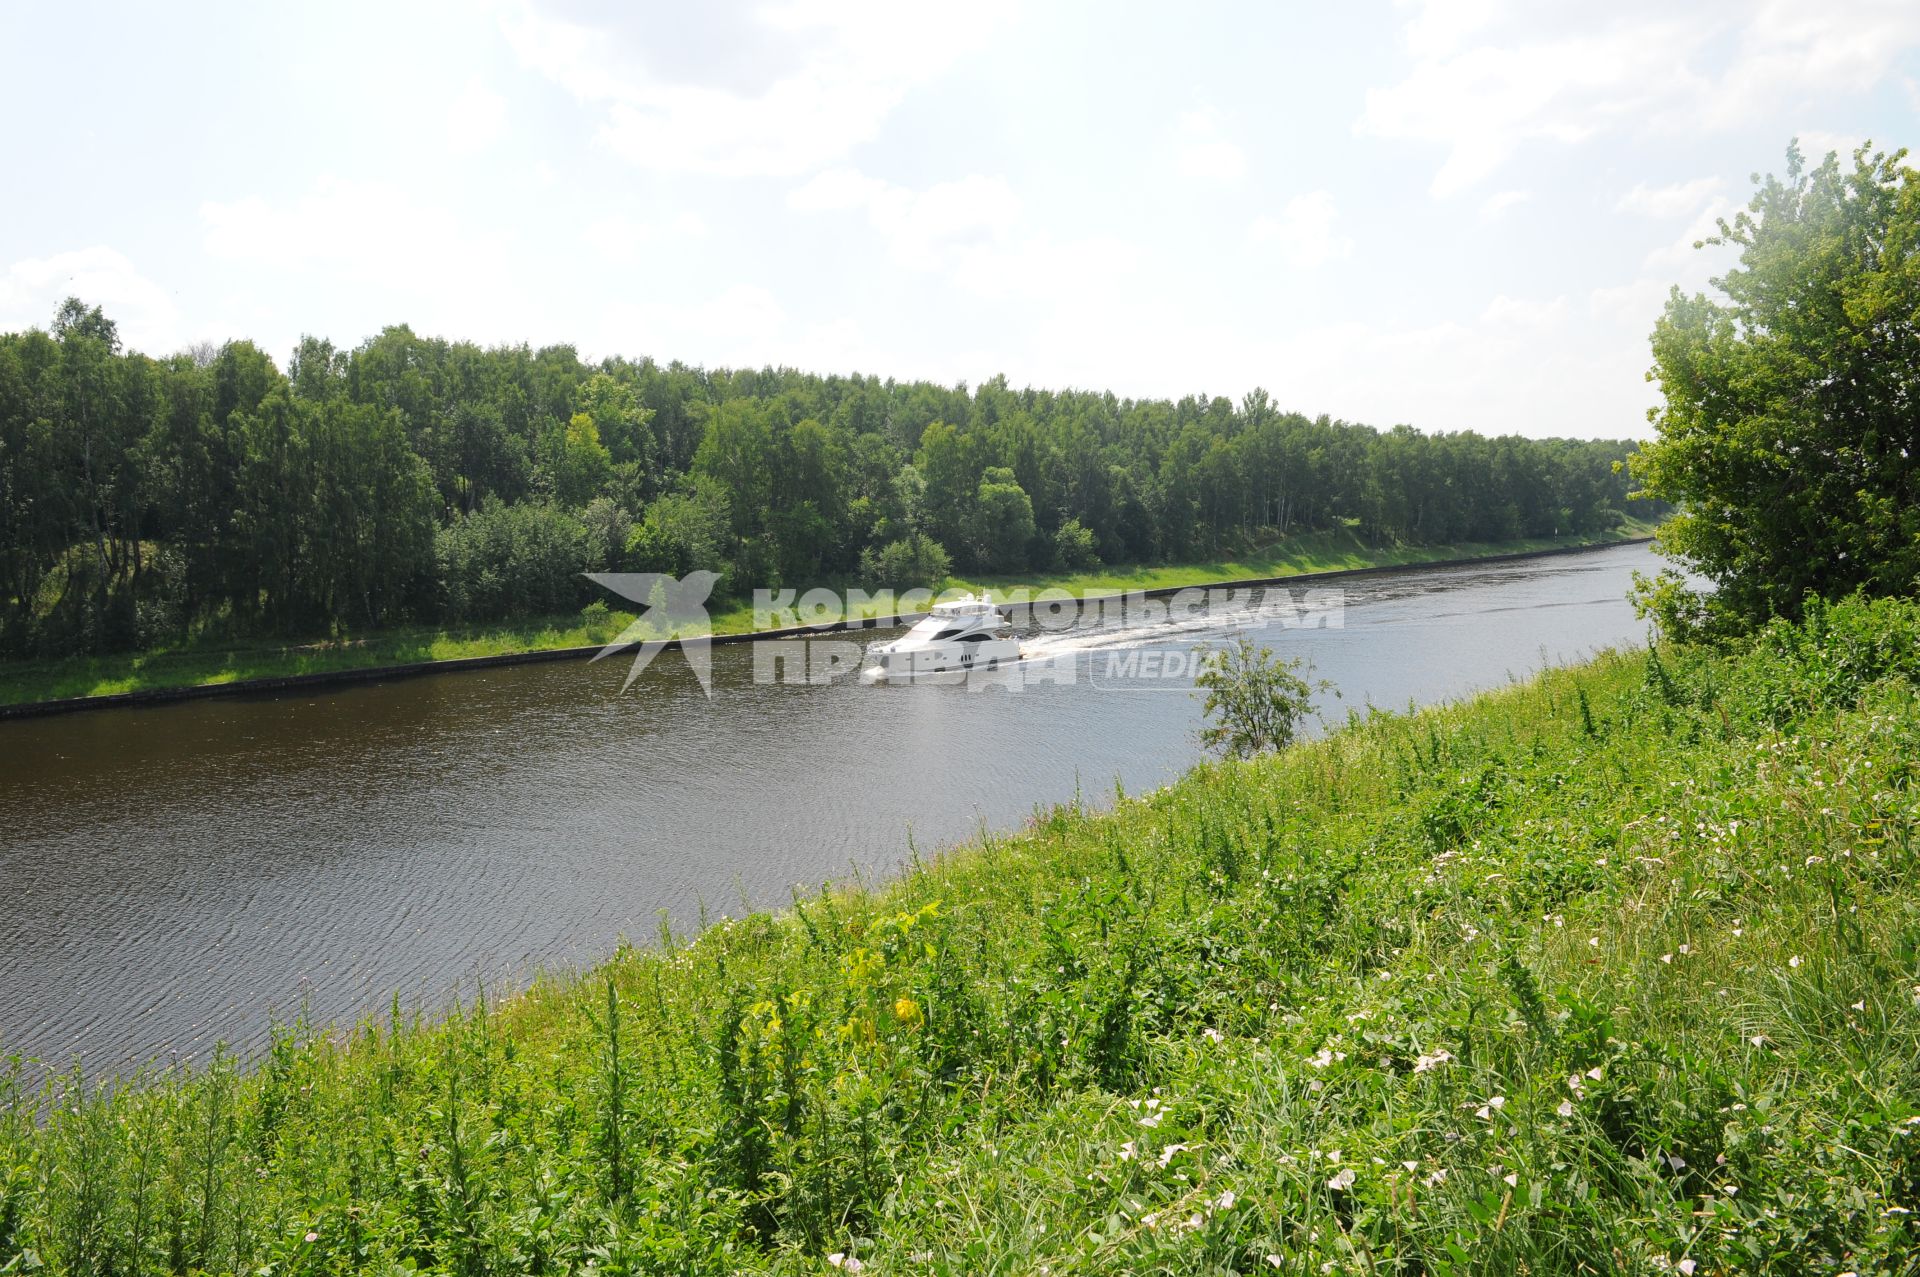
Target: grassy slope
1600	973
226	661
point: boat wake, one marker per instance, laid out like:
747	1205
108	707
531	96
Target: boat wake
1121	634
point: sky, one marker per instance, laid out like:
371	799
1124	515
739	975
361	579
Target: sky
1457	214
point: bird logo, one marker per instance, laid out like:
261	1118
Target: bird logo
672	610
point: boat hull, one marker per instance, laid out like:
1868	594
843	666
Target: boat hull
942	658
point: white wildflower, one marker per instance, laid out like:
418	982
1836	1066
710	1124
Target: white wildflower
1342	1182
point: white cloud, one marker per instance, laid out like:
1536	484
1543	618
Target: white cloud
1669	201
1520	312
1204	152
971	231
1626	312
1090	269
476	117
1822	45
1499	202
745	326
1517	366
1305	230
1220	160
926	229
836	190
1816	144
1634	306
621	240
1438	27
1565	75
832	75
931	229
32	289
617	239
363	228
1482	103
1680	262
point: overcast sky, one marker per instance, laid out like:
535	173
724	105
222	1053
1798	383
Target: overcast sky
1458	214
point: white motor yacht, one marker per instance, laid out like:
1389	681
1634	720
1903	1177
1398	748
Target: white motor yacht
961	634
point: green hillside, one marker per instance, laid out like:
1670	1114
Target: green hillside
1613	972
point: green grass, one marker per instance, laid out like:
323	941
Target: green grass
1614	971
215	661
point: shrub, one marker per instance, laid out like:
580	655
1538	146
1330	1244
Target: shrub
1255	699
908	563
1073	546
513	560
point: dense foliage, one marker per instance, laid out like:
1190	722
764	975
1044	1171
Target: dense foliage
418	479
1617	971
1790	434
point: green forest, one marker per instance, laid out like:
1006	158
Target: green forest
414	479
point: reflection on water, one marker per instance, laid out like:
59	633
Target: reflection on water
169	876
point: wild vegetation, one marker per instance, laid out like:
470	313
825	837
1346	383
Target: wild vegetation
146	503
1616	971
1255	701
1788	435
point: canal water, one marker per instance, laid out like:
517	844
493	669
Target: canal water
175	876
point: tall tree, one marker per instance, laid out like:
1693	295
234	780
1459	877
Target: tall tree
1789	432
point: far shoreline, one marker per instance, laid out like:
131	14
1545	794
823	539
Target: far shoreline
272	685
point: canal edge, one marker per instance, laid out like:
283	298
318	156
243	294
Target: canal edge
271	686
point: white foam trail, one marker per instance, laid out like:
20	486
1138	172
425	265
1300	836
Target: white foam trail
1111	636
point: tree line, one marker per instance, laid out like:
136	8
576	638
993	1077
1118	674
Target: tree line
417	479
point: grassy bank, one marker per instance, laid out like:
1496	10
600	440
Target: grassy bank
211	661
1615	971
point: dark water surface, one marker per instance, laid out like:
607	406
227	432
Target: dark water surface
172	876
